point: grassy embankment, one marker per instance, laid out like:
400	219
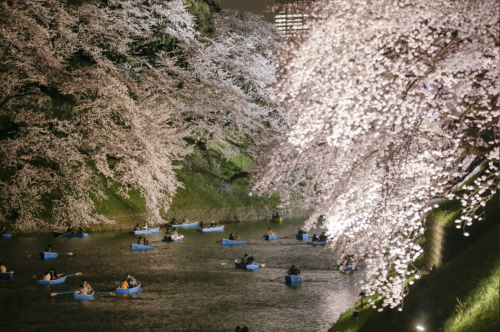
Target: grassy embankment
461	295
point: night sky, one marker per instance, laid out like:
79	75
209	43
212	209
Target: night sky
256	6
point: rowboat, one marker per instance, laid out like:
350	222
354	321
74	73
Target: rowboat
302	237
169	238
81	297
48	255
351	268
316	243
271	237
141	247
192	224
146	231
57	234
231	242
6	275
277	220
211	229
133	290
246	267
6	236
61	278
293	280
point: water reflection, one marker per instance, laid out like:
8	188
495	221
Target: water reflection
185	286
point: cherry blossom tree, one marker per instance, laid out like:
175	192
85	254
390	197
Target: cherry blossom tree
386	100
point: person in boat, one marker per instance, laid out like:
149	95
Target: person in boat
146	241
301	231
46	276
270	232
140	240
145	227
202	224
274	216
277	216
244	329
212	224
168	233
315	238
231	237
137	228
4	230
175	235
80	230
173	222
124	284
53	274
322	237
250	260
48	249
69	230
293	271
87	287
185	220
237	237
131	281
3	269
244	260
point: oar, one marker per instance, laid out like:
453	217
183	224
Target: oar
54	294
135	281
227	263
34	254
263	265
106	293
63	253
277	278
308	278
76	274
66	234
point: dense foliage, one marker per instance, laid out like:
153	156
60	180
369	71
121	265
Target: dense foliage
113	89
392	104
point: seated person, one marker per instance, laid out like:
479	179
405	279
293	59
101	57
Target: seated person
277	216
301	231
46	276
175	235
136	228
53	274
146	241
80	230
237	237
173	222
69	230
185	220
231	237
87	287
274	216
202	224
168	232
131	281
3	269
244	260
48	249
315	238
250	260
244	329
140	241
322	237
212	224
270	232
145	227
3	230
81	290
293	271
124	284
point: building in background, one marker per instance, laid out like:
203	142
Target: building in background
290	17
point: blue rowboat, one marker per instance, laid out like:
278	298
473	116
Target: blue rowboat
246	267
271	237
48	255
6	236
351	268
211	229
231	242
6	275
277	220
141	247
169	239
57	234
133	290
61	278
193	224
146	231
293	280
82	297
302	237
316	243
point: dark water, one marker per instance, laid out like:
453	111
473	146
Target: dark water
185	287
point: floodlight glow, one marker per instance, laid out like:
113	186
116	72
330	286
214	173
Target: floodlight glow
420	328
